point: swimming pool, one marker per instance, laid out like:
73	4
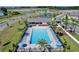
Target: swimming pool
39	33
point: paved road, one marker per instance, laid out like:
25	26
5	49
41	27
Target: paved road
10	21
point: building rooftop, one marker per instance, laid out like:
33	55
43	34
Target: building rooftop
39	19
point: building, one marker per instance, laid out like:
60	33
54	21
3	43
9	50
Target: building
39	20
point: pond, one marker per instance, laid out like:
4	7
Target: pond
1	14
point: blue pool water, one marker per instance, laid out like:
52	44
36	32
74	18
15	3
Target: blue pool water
39	33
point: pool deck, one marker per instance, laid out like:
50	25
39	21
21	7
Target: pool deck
29	36
52	39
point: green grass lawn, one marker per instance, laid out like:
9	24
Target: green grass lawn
12	35
76	36
74	47
6	17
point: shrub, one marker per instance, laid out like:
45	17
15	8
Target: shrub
10	50
7	43
60	33
68	47
11	26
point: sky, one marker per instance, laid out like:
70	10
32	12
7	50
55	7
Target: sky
39	2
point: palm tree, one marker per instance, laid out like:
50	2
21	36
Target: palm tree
43	45
66	21
54	24
74	25
70	23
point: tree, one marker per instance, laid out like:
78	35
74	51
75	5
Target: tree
74	25
54	23
15	13
4	10
43	45
66	21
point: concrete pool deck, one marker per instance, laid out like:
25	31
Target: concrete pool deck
53	43
29	36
